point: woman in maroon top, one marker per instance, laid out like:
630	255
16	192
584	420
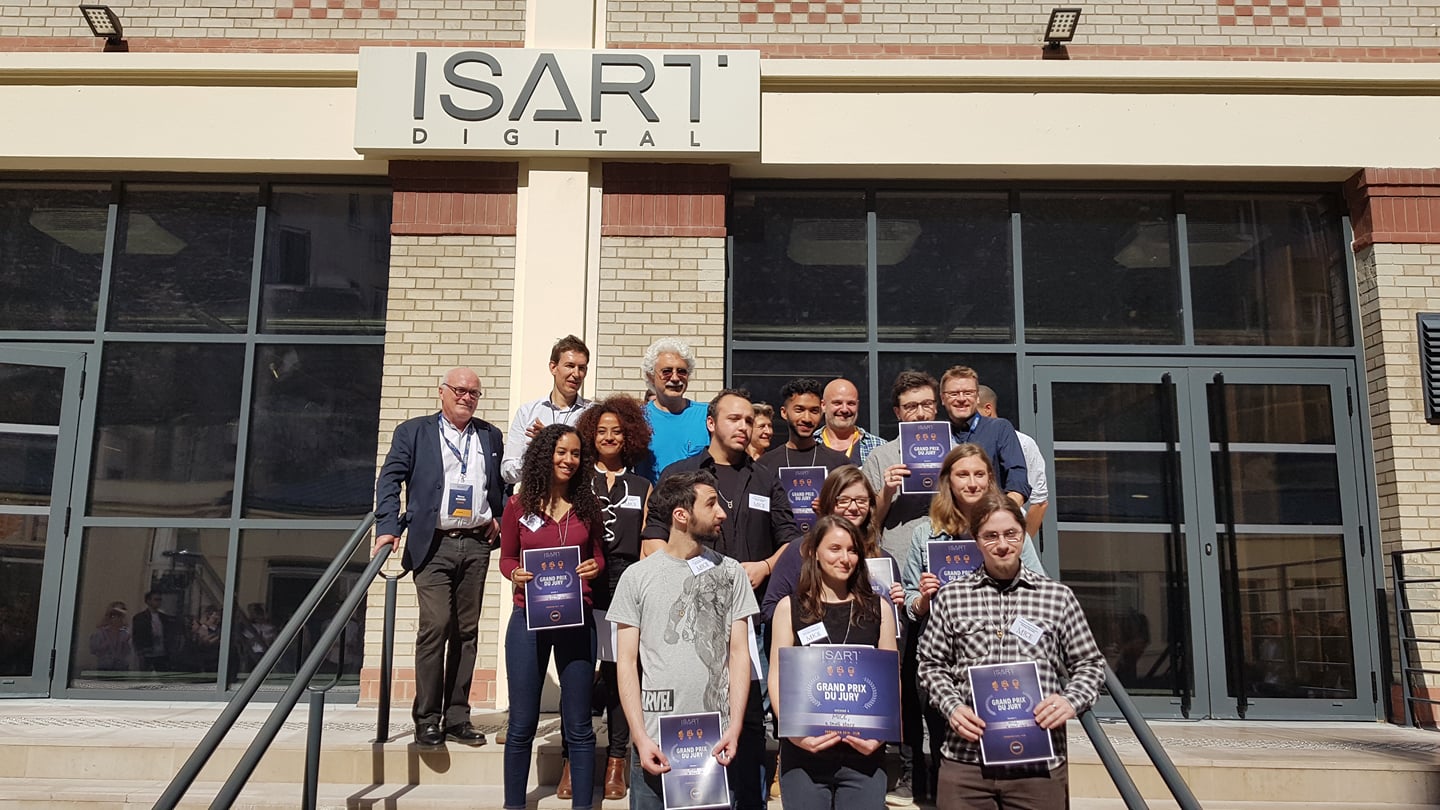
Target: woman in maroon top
553	507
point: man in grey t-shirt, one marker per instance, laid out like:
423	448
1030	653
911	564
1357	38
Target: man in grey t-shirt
681	614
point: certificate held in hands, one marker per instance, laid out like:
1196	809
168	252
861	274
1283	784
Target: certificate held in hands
923	446
952	559
553	599
802	489
695	779
847	689
1005	698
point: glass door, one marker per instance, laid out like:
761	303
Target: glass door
39	412
1209	522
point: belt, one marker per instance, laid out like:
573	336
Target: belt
474	533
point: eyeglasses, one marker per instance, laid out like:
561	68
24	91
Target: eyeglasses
915	407
851	503
951	396
678	371
1011	536
463	393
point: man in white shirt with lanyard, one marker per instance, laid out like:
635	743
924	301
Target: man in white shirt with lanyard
569	363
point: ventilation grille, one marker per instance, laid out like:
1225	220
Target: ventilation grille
1428	326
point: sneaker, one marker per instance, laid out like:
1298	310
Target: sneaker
901	795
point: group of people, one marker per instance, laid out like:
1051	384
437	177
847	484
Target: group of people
692	557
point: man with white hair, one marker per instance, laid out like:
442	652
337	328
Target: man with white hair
677	424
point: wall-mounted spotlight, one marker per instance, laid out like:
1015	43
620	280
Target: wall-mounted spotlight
105	23
1061	28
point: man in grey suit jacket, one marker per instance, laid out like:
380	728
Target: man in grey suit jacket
449	466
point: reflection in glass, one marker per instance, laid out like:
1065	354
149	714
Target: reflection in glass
313	431
1100	268
22	564
995	370
27	469
166	429
1268	270
765	373
1295	617
183	259
1282	488
1273	413
167	586
52	244
799	264
277	571
1111	486
327	261
1137	613
30	395
1110	412
944	273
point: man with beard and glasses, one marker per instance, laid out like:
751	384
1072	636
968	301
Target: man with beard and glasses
677	424
683	635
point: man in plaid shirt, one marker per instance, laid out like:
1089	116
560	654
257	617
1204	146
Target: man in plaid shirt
1005	613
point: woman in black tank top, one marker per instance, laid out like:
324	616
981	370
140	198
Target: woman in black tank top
831	771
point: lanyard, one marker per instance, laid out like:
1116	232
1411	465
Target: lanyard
462	454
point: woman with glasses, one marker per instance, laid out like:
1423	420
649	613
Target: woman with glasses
553	507
847	493
830	770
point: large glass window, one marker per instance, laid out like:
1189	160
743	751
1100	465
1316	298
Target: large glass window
52	245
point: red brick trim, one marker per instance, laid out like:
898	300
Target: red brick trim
663	199
142	44
444	197
484	689
1394	206
1182	53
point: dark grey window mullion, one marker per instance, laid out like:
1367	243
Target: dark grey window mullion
1024	371
1182	248
729	299
872	307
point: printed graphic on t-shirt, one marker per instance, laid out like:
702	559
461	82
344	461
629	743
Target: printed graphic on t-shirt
701	617
657	700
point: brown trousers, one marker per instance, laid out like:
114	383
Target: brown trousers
964	786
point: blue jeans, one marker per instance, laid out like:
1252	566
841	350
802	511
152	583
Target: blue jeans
838	779
527	654
645	790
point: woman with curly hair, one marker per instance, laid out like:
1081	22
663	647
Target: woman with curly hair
615	434
553	507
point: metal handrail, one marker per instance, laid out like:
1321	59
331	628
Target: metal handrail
1405	639
188	772
1148	741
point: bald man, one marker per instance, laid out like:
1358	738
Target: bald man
841	433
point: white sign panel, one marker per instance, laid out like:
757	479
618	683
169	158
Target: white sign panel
444	101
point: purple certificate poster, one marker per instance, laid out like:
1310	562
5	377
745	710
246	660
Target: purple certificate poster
923	446
952	559
1005	698
836	687
802	489
553	598
882	576
695	779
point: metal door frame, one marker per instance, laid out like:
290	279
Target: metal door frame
42	679
1189	375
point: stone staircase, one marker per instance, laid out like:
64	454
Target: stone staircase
120	754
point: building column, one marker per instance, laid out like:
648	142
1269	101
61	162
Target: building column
1395	215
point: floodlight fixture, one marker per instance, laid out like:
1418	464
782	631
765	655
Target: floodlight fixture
105	23
1061	28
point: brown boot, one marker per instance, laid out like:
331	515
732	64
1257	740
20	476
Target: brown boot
563	790
615	778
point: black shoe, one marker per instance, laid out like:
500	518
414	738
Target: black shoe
429	734
465	734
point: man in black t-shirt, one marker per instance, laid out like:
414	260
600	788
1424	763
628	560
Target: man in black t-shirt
801	410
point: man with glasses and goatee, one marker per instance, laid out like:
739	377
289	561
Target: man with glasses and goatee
677	424
449	465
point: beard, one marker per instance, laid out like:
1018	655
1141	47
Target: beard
709	538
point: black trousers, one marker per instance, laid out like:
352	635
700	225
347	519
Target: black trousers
448	587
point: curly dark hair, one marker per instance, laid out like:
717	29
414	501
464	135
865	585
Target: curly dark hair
535	474
631	414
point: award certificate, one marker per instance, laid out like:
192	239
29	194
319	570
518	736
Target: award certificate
695	779
802	489
923	446
952	559
849	689
1005	698
553	598
882	576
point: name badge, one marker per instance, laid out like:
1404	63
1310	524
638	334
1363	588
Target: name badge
760	502
1026	629
699	565
532	521
631	502
461	503
813	633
